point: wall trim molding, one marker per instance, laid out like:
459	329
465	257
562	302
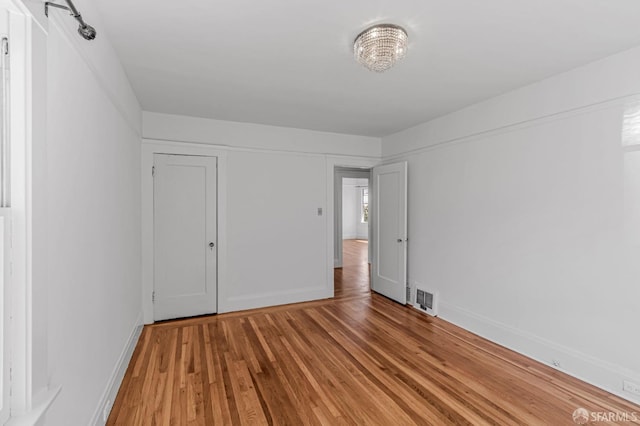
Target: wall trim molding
26	130
212	131
584	367
174	142
115	379
512	127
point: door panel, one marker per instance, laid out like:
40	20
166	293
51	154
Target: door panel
185	265
390	228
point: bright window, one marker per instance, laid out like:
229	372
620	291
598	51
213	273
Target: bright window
364	208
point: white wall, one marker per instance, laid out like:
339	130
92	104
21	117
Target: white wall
349	209
246	135
276	178
276	251
86	217
524	213
36	8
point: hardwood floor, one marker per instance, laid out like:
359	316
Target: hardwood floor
355	359
352	280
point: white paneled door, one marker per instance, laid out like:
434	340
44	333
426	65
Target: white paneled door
185	236
390	231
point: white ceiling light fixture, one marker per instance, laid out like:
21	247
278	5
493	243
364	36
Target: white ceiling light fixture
379	47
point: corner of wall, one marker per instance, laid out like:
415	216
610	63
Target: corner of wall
110	392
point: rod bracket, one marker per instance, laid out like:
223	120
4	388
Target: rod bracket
52	4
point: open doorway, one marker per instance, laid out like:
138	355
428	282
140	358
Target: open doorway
352	232
353	278
355	209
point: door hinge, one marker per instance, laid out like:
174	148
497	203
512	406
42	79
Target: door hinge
153	171
153	296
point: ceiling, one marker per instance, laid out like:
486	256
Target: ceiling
290	63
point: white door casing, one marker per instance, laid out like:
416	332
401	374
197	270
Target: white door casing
389	268
340	173
185	236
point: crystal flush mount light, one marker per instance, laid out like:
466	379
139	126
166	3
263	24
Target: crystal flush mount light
379	47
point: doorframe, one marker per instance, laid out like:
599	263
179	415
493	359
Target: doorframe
149	149
339	176
332	163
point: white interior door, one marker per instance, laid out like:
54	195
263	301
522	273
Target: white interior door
185	244
390	231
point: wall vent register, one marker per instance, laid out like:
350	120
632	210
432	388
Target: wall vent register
426	301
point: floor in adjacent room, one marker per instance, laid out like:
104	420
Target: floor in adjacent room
356	359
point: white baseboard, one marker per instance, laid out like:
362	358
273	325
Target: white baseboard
589	369
111	391
263	300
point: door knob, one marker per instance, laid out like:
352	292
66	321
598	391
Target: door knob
211	245
399	240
